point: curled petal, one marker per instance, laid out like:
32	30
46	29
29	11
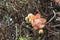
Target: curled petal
35	27
43	20
37	16
41	26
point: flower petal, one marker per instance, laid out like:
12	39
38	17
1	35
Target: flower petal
37	15
41	25
43	20
36	27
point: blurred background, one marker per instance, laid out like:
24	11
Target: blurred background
14	27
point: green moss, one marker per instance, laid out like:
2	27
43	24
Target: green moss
21	38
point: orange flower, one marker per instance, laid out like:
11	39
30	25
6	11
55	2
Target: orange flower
37	21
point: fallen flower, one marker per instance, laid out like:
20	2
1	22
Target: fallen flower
36	21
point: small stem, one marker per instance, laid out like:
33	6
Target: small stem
16	31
